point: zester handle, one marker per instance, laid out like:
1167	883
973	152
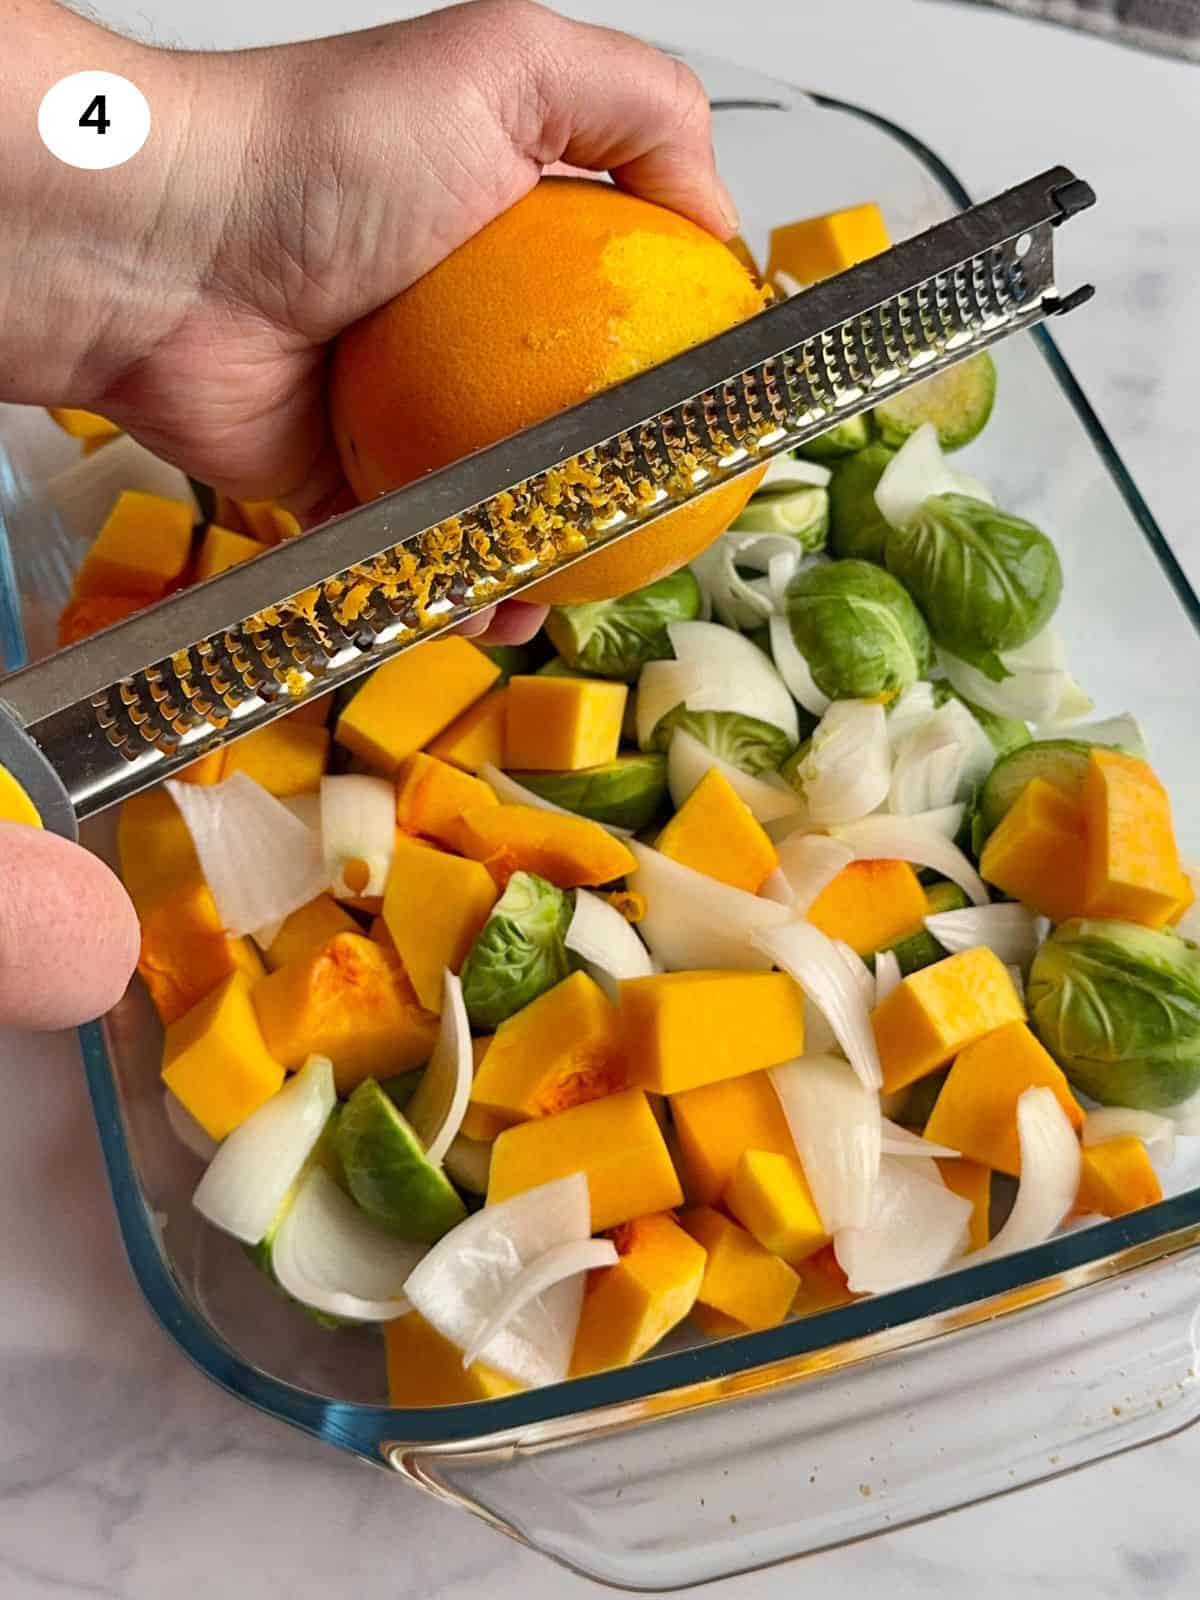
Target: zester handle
21	757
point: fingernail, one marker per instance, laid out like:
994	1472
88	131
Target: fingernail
727	208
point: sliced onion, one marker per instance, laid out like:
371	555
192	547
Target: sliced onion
781	569
941	762
860	973
786	284
561	1264
1123	731
827	979
908	1146
776	887
909	839
1010	930
85	493
794	668
187	1130
911	711
663	685
248	1179
735	675
810	862
734	600
847	770
306	808
609	946
835	1125
917	471
1185	1114
1034	688
327	1255
946	820
1111	1122
916	1229
693	922
466	1276
509	792
1018	981
688	759
1188	925
795	469
260	863
439	1104
358	828
887	974
1049	1178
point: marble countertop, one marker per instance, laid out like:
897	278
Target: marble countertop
123	1472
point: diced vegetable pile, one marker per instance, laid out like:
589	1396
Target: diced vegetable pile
773	935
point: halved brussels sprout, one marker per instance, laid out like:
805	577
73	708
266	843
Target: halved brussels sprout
745	742
616	638
800	510
843	439
957	401
516	659
857	530
625	793
859	631
519	952
921	949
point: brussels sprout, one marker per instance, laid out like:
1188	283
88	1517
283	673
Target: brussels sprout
387	1173
957	401
519	952
800	510
1118	1007
859	631
752	746
1006	733
616	638
625	793
324	1155
856	528
986	581
402	1087
843	439
1060	762
556	667
516	659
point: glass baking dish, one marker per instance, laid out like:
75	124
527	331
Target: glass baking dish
711	1459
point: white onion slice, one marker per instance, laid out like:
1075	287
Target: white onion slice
794	668
247	1180
776	887
1185	1114
306	808
1123	731
916	1229
466	1275
1111	1122
946	820
847	770
1010	930
795	469
1049	1178
663	685
735	675
941	762
887	974
560	1264
609	946
85	492
439	1104
1017	974
1188	925
693	922
910	712
835	1125
187	1130
688	759
821	970
908	1146
810	862
328	1256
917	471
509	792
1037	682
860	973
260	863
786	284
781	569
885	838
734	600
358	826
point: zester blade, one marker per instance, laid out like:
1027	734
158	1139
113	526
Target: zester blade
142	699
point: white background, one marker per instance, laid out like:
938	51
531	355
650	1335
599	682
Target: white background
122	1471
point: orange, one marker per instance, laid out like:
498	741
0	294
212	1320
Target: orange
575	288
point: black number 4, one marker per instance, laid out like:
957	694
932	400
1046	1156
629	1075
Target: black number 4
95	115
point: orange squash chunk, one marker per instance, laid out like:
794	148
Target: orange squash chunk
476	739
186	952
820	247
431	795
715	832
717	1121
222	548
744	1287
1038	852
411	699
933	1014
215	1061
433	907
82	617
142	548
629	1307
425	1369
870	904
1116	1177
568	851
564	1048
307	930
769	1195
1133	869
286	757
973	1182
480	1124
155	850
562	724
684	1029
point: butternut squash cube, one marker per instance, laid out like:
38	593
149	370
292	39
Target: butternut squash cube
716	1122
425	1369
744	1284
431	796
823	1284
206	769
264	520
80	618
820	247
683	1029
349	1001
563	1048
1038	852
412	698
562	724
973	1182
312	712
476	739
715	832
83	424
976	1111
629	1307
155	850
1116	1177
1133	869
434	906
185	951
307	930
221	549
216	1062
616	1142
569	851
933	1014
479	1123
770	1197
141	549
870	904
286	757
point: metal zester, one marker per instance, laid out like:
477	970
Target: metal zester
106	717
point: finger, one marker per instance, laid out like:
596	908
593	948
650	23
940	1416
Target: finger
514	622
68	934
475	627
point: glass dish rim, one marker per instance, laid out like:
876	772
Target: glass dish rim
373	1431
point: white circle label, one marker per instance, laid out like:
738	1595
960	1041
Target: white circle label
94	119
